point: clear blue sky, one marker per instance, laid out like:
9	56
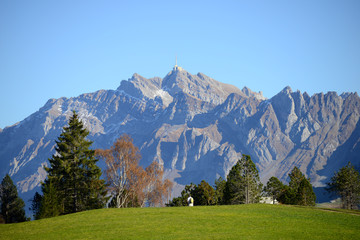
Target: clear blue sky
53	49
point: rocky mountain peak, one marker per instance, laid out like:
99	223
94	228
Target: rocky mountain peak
199	86
179	80
197	128
140	87
286	90
247	91
345	95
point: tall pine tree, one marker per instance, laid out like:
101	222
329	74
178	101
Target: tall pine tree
346	184
73	183
36	205
12	206
243	184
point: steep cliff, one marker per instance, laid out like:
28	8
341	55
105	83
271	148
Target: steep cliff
197	128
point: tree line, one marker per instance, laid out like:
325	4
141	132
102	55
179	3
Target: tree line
242	186
74	183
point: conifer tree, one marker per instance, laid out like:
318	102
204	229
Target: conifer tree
73	183
243	184
306	195
50	205
12	206
274	188
296	176
299	191
36	205
219	188
346	184
204	194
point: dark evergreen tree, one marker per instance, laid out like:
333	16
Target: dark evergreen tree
73	175
299	191
50	205
234	188
296	176
203	194
243	184
288	196
274	188
306	195
12	206
220	184
176	202
346	184
36	205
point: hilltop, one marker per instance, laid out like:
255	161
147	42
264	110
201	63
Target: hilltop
253	221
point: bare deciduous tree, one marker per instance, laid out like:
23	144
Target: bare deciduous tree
122	165
128	182
158	191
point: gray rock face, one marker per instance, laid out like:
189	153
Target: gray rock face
197	128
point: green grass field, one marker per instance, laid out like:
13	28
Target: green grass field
258	221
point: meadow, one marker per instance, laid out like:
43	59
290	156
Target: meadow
254	221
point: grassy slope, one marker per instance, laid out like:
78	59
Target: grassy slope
258	221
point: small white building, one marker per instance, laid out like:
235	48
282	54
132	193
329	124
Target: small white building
268	200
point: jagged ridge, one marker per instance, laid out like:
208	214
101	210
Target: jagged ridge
197	128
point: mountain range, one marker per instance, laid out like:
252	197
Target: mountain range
197	128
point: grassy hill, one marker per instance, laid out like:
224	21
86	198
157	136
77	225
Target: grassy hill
258	221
